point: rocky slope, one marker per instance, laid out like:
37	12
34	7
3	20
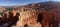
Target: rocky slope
29	13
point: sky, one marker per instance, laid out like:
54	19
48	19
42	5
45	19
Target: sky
21	2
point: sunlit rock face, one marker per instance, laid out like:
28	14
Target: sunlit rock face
14	12
27	17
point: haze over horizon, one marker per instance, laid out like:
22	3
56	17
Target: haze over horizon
21	2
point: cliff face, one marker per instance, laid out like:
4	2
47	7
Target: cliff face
29	13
